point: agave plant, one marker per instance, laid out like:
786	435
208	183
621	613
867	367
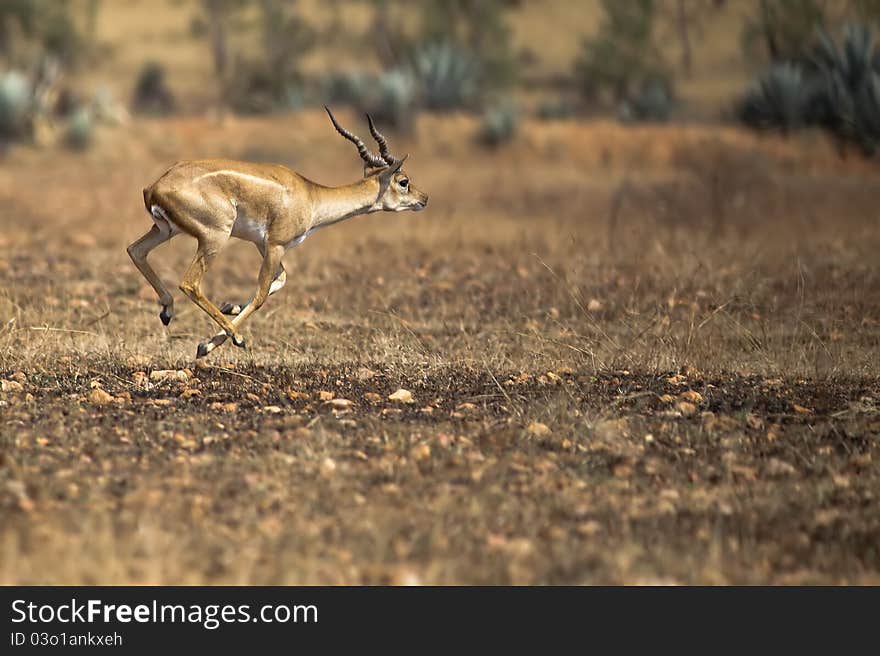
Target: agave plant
784	97
849	75
499	124
447	75
80	129
395	98
654	101
835	87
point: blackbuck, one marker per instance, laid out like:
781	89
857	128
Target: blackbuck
266	204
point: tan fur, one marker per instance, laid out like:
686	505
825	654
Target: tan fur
269	205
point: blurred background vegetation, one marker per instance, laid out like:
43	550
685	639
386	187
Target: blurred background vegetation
68	66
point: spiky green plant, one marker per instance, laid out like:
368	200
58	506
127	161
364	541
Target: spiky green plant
394	98
499	124
836	87
850	76
447	76
783	98
80	129
652	102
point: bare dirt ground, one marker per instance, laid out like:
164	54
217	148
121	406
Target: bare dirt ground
633	355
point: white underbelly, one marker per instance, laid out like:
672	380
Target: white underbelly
249	229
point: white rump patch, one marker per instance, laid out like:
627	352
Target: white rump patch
160	218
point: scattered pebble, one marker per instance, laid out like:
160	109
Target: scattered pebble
686	408
401	396
538	429
11	386
691	396
169	375
100	397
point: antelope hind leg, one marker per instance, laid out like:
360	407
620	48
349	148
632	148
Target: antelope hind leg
138	252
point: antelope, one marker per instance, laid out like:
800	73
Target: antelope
269	205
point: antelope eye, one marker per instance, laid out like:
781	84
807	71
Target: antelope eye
404	183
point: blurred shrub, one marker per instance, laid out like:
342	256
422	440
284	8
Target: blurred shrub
447	75
480	29
784	97
499	124
16	98
347	87
460	53
268	79
395	98
836	88
46	25
652	102
850	83
80	129
623	56
272	79
151	92
554	110
783	29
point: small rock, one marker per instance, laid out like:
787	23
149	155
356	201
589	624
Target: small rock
11	386
185	441
224	407
401	396
169	375
594	305
365	374
325	395
686	408
328	467
100	397
420	452
779	468
189	393
538	429
342	404
588	528
691	396
372	397
273	409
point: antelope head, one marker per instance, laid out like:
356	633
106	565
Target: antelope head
396	190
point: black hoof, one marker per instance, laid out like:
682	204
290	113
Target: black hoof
202	351
165	316
239	343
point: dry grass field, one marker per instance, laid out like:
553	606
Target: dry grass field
635	355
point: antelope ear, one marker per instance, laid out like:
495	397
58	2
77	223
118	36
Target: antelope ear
388	172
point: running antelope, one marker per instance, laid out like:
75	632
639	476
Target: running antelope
266	204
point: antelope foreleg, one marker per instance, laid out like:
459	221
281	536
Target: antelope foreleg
191	286
265	281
